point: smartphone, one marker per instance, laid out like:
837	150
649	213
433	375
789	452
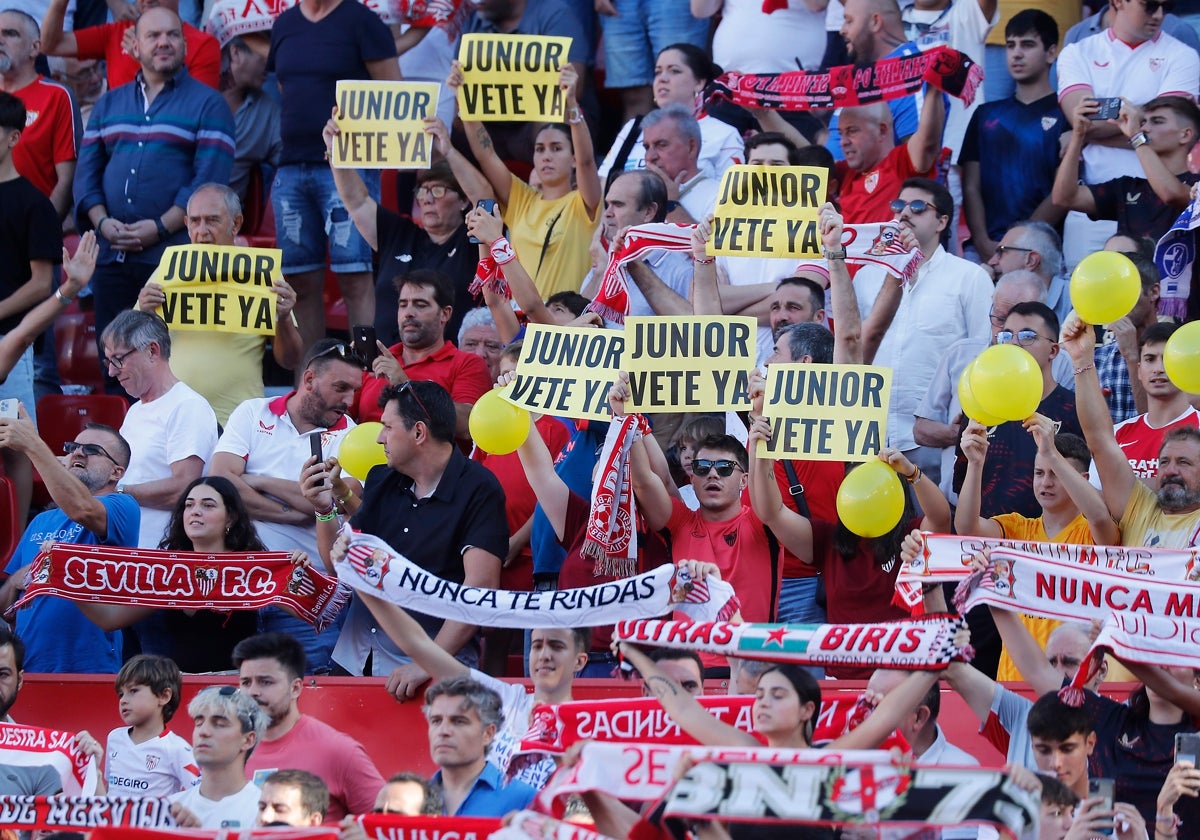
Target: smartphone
1110	107
1187	747
487	205
365	343
314	443
1103	788
8	408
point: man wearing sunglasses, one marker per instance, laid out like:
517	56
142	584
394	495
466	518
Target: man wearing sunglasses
58	638
1135	60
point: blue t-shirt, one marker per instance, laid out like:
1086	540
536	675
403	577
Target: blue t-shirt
59	639
309	58
1016	147
489	796
575	467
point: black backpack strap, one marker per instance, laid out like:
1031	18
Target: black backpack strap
618	167
797	490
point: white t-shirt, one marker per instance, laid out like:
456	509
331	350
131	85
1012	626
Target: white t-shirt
238	810
720	147
261	432
517	705
177	425
751	41
158	767
1110	67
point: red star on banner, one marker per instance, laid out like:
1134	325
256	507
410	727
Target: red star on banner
776	636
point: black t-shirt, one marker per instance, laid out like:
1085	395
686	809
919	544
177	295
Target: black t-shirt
1135	206
29	230
309	58
404	246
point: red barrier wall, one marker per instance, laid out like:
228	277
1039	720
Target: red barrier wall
392	733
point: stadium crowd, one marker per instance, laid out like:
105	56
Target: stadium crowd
126	129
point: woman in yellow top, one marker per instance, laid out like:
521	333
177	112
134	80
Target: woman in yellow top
1072	509
550	229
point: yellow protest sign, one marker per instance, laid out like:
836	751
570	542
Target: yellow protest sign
380	124
689	364
768	211
219	288
512	78
826	412
566	371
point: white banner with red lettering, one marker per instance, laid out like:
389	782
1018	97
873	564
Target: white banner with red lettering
184	580
1146	639
530	825
281	833
83	813
232	18
33	746
1021	581
919	644
946	557
398	827
554	728
374	567
644	772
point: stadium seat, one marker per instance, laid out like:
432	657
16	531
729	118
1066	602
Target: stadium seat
10	529
78	355
62	416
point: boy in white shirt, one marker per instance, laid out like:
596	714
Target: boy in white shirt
228	725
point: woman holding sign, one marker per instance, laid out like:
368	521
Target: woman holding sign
550	230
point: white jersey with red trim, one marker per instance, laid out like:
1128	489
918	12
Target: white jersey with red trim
1140	442
158	767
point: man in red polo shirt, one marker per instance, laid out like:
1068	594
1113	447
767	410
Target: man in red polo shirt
875	166
108	41
426	302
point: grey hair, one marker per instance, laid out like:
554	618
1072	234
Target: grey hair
33	28
809	338
480	316
475	696
232	203
689	129
1041	237
136	329
235	705
1029	281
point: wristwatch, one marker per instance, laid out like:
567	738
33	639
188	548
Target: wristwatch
1138	140
840	254
672	206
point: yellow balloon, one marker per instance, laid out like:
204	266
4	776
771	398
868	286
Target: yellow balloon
1105	286
970	405
870	500
359	450
497	426
1007	382
1181	358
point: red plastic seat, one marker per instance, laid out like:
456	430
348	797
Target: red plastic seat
61	417
78	355
10	528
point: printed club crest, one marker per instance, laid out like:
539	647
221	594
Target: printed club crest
871	182
858	794
152	762
299	584
206	579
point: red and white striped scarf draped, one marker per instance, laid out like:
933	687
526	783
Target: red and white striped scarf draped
490	275
612	301
1165	641
611	538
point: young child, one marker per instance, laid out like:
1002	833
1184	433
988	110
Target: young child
144	758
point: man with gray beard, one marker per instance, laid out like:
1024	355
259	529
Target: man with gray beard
58	637
1168	518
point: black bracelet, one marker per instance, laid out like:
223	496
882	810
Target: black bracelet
163	233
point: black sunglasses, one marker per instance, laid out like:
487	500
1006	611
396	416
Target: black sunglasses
407	388
1152	6
248	718
88	449
724	469
918	205
345	353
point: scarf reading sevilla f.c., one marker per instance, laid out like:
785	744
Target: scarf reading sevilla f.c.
184	580
848	86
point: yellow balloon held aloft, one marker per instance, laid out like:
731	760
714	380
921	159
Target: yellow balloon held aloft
870	500
1006	382
1105	286
497	426
1181	358
970	405
360	450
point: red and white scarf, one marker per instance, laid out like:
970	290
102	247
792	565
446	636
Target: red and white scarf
529	825
489	273
611	539
83	813
184	580
33	746
612	301
879	245
1145	639
554	728
920	644
944	558
398	827
323	832
374	567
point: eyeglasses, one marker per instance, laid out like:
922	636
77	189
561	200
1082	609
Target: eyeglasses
724	469
84	73
1152	6
918	206
343	352
88	449
247	716
1001	249
117	361
407	388
436	191
1023	338
997	318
